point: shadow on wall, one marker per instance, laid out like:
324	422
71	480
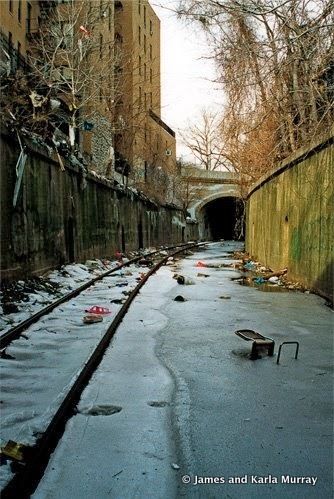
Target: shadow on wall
321	284
223	218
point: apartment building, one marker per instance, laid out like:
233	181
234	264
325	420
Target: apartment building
143	142
120	122
78	36
19	19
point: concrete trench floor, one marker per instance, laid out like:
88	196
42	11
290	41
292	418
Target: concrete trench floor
194	408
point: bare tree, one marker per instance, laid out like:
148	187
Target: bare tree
74	64
204	139
275	61
186	192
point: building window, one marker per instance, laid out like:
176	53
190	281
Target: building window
139	35
10	5
145	44
145	16
109	18
139	5
140	92
101	44
145	72
19	11
145	100
151	75
151	28
139	64
151	100
29	17
18	55
151	52
10	41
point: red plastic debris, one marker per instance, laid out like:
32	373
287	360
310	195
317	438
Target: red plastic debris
98	310
119	256
201	264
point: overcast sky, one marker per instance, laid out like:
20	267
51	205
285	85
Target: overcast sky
185	75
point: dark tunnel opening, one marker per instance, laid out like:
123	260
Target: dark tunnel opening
224	219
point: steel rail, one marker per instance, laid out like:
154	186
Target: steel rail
16	331
29	474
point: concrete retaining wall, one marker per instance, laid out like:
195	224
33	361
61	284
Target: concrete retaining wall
61	216
290	217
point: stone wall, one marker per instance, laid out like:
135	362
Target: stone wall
290	217
63	216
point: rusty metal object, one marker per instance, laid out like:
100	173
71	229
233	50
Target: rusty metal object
288	343
259	342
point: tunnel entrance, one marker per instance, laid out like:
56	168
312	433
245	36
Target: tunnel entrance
224	219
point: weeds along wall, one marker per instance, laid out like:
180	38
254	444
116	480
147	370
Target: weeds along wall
62	216
290	217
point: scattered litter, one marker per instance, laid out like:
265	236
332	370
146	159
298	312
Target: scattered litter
98	310
179	298
249	265
247	419
209	265
225	297
145	262
118	301
92	318
122	284
273	279
92	264
175	466
14	450
184	280
159	403
259	280
202	275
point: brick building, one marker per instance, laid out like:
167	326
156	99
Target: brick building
120	132
142	140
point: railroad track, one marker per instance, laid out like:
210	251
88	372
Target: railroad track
29	470
15	332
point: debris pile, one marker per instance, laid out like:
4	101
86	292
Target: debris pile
254	273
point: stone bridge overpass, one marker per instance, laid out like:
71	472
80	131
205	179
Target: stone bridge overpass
214	202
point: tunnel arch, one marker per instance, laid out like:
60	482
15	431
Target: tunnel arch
221	217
